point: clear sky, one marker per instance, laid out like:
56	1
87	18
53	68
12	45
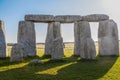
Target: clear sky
13	11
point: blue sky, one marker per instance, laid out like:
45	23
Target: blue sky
13	11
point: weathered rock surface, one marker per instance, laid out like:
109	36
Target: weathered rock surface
39	18
57	42
17	53
67	18
84	45
49	39
36	61
76	40
2	40
108	38
89	49
79	33
95	17
26	36
57	49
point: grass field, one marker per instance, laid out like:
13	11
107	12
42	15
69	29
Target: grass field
70	68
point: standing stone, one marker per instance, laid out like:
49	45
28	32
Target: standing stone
108	38
84	45
57	42
2	40
26	36
16	53
49	39
76	40
89	49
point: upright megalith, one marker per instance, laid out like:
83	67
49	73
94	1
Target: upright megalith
2	40
76	40
26	36
17	53
57	42
84	44
49	39
108	38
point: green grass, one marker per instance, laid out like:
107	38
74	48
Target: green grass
70	68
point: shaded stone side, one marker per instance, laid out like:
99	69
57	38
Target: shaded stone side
108	38
49	39
26	36
17	53
84	44
57	42
76	40
2	40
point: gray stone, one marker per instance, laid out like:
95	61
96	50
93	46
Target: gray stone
2	40
84	45
95	17
49	39
67	18
89	49
76	40
16	53
79	32
39	18
26	36
57	49
57	42
36	61
108	38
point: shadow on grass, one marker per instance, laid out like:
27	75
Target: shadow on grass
68	69
6	61
46	57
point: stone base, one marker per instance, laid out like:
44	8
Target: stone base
17	53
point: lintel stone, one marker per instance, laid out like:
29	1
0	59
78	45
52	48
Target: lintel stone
39	18
67	18
95	17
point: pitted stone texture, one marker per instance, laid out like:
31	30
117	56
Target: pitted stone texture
57	42
39	18
88	49
49	39
16	53
80	32
84	45
57	49
76	40
67	18
95	17
108	38
36	61
2	40
26	36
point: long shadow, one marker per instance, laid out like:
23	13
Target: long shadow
6	61
84	70
79	70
